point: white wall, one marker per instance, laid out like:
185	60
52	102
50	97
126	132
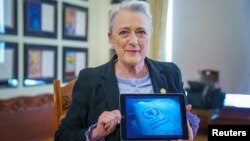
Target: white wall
213	34
207	34
97	43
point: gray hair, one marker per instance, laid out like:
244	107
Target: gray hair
131	5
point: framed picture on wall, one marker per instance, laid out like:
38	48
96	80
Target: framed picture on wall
8	17
74	59
119	1
8	64
40	65
75	22
40	18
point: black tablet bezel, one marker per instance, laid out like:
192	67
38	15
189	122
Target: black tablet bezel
180	96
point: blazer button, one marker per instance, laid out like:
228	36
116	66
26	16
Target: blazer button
163	91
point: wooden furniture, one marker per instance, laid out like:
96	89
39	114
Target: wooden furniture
225	116
233	115
62	98
27	118
209	76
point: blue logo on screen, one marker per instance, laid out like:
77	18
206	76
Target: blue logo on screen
150	113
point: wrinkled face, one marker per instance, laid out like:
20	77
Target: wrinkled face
130	37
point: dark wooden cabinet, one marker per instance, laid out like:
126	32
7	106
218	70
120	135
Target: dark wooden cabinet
233	115
225	116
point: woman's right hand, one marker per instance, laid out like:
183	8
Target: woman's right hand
106	124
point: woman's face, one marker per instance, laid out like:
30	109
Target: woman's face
130	37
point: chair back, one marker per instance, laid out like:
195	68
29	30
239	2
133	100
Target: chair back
62	98
209	76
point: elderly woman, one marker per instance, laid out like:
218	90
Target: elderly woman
94	113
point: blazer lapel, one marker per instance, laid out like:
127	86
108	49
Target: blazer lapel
158	79
110	86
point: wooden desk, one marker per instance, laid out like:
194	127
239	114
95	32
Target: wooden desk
233	115
225	116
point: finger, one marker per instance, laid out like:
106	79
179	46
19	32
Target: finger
107	125
110	119
111	127
118	116
113	124
190	132
109	122
104	120
103	117
188	107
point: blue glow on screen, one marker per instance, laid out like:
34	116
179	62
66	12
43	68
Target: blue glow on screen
153	118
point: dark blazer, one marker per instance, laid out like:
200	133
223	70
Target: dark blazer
96	91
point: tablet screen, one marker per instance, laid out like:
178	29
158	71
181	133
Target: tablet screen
153	117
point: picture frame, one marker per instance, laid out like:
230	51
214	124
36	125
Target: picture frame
74	59
40	64
119	1
40	18
8	64
9	23
75	22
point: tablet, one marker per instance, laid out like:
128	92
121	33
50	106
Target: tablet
153	117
